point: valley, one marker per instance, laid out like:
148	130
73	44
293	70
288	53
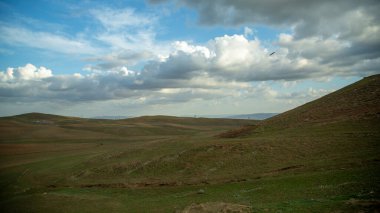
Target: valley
323	156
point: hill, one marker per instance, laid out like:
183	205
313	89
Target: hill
320	157
110	117
38	126
358	101
254	116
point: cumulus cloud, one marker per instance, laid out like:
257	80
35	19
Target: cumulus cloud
29	87
28	72
237	58
326	37
29	83
322	39
224	66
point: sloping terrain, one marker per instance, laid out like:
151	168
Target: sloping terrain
320	157
38	126
358	101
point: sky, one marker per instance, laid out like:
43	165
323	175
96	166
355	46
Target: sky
181	57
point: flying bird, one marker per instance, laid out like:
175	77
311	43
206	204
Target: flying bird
272	53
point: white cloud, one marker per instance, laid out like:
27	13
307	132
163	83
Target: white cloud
117	19
227	69
45	40
327	37
129	40
240	59
224	65
129	91
305	95
235	57
130	37
28	72
31	83
183	46
248	32
126	29
234	53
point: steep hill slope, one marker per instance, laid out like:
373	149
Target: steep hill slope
358	101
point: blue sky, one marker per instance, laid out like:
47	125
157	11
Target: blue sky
70	19
180	57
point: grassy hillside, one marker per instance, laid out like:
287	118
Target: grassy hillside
43	127
358	101
320	157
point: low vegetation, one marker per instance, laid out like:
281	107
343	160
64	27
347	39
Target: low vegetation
321	157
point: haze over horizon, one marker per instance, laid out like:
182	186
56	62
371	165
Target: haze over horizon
181	57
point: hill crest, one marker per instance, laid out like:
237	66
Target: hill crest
360	100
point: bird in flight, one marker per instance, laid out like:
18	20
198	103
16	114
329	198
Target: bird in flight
272	53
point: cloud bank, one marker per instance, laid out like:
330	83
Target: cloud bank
126	61
225	66
340	36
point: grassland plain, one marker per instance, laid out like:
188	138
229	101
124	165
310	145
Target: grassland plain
321	157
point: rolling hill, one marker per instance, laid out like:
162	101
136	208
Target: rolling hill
41	127
359	101
357	104
319	157
254	116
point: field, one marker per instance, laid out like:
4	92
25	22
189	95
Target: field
320	157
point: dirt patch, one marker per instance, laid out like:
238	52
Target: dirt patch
242	131
162	183
284	169
219	207
364	203
130	185
288	168
106	185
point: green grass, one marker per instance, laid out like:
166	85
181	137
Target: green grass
320	157
325	191
323	168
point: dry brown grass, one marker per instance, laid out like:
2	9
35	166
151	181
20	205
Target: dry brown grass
357	101
240	132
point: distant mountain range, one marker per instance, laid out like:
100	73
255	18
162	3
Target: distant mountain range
253	116
111	117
